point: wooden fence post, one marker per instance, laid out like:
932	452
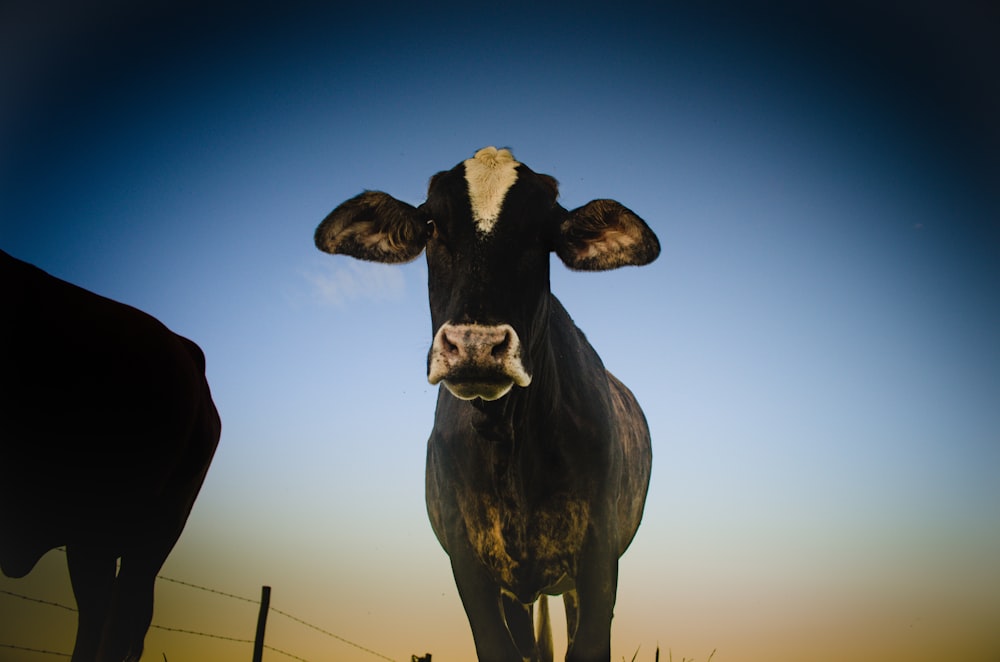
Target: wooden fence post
265	605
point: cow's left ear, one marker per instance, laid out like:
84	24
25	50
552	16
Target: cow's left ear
604	234
373	226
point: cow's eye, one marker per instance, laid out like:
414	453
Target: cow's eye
431	229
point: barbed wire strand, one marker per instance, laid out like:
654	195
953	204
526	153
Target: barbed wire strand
38	600
34	650
330	634
209	590
201	634
215	636
278	650
278	611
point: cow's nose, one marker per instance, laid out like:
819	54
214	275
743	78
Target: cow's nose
477	345
477	360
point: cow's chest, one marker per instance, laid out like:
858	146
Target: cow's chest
528	547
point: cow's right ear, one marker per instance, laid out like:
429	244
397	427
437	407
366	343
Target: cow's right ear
373	226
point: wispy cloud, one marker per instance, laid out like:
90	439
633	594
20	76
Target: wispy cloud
341	283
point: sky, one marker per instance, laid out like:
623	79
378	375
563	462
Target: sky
816	349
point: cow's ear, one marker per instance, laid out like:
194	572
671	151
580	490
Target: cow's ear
602	235
373	226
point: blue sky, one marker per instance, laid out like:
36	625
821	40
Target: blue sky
816	348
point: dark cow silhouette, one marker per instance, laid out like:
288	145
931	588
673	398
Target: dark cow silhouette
539	460
107	429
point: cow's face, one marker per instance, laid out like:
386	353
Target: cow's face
488	225
491	223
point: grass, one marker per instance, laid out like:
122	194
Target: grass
670	655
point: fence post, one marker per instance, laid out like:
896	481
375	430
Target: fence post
265	605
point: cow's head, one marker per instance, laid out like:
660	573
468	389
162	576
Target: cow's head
488	225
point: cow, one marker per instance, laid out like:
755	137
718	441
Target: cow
107	430
539	459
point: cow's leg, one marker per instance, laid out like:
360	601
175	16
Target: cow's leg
520	623
596	585
92	575
482	602
571	603
132	606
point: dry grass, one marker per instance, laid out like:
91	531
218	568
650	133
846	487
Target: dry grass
670	656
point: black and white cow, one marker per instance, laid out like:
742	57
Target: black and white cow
107	429
539	460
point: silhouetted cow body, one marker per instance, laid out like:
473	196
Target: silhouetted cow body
539	460
107	429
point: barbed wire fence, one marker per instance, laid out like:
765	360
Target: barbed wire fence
258	643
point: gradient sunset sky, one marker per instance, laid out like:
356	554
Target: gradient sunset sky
817	349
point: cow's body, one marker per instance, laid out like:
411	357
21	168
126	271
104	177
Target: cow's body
539	459
540	491
107	429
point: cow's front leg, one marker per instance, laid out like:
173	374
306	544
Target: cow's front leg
596	585
92	574
482	601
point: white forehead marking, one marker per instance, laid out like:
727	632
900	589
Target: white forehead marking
490	174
